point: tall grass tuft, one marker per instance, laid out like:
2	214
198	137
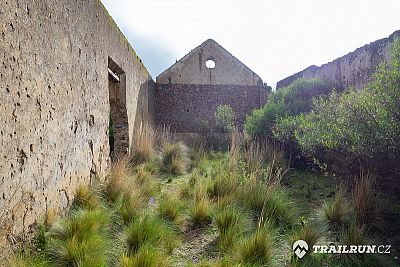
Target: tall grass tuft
257	249
129	203
223	185
143	143
146	256
144	180
234	155
86	198
144	230
306	233
229	222
117	179
175	159
170	207
80	240
365	201
336	210
200	212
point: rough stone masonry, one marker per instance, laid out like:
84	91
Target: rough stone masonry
56	59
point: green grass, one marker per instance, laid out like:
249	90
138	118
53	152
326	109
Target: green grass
145	230
257	249
200	213
170	207
175	159
80	240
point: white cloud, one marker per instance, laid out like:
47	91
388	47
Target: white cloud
274	38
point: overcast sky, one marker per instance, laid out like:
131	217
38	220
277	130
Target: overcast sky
273	38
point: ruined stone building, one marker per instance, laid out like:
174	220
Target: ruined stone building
353	69
188	93
68	75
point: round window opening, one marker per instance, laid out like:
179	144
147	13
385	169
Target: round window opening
210	64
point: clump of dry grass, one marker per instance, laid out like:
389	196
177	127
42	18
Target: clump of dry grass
126	190
365	201
143	144
307	233
336	210
170	207
201	210
234	155
175	158
86	197
117	178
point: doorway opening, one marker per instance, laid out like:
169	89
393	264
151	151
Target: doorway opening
118	121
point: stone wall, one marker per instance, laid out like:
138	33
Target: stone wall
54	103
353	69
192	69
185	106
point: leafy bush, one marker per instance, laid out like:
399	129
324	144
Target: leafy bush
355	127
225	118
288	101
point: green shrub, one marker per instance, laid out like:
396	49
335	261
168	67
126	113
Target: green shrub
225	118
357	127
175	158
288	101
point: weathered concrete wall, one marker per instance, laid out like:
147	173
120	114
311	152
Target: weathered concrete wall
185	106
353	69
54	103
191	69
